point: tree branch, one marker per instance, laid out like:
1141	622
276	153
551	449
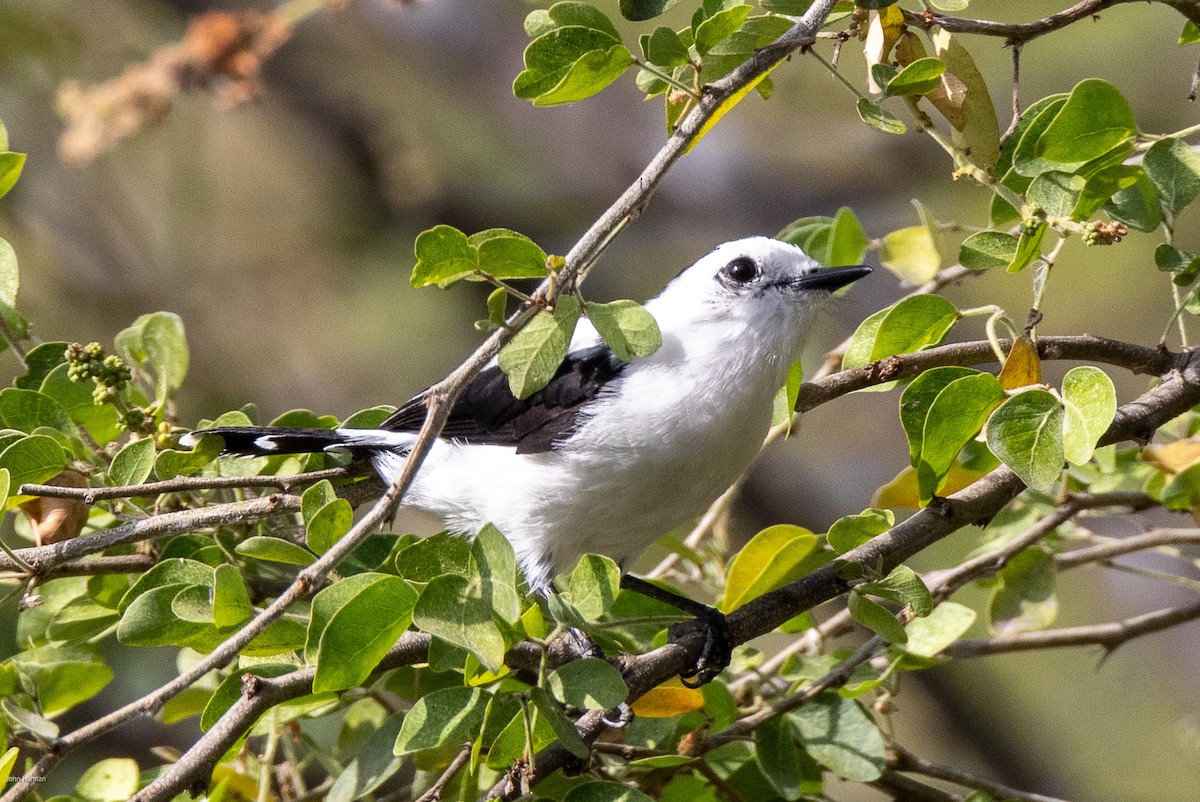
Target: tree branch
1128	545
90	495
1178	392
1020	32
1110	634
903	760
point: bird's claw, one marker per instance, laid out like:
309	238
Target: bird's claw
716	652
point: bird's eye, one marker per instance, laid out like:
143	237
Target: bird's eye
741	270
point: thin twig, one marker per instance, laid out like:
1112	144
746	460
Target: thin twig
182	484
1106	551
1110	634
1021	32
903	760
435	791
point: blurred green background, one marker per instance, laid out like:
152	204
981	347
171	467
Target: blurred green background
282	230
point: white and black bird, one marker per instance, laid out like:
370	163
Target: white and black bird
610	455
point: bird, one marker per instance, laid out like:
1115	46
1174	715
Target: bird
610	455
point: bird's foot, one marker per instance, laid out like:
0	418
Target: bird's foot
717	650
578	643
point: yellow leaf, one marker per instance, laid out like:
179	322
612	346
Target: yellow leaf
903	493
885	28
771	559
726	106
1173	457
911	254
965	102
1022	367
672	698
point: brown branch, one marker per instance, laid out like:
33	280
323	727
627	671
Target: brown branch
90	495
903	760
1136	358
91	566
1178	392
435	791
1107	551
259	694
1016	33
48	558
1110	635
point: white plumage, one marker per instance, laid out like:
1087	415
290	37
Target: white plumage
642	450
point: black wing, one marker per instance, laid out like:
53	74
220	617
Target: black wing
487	413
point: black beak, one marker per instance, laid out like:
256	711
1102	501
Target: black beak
831	278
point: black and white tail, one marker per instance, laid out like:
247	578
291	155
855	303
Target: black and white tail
264	441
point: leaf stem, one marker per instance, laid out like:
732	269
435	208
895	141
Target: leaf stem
838	74
665	78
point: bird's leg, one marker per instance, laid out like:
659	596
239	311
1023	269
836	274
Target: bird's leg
718	638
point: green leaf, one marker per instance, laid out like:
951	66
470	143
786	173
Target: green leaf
606	792
25	719
7	761
452	608
847	241
362	630
1095	119
572	61
444	256
916	322
627	328
768	561
918	78
151	620
851	531
275	550
133	463
1102	185
1174	168
1026	434
1090	403
778	757
231	602
638	10
10	277
589	683
1037	118
564	727
875	116
1136	206
328	525
841	737
593	585
63	676
1190	33
314	498
76	398
902	586
1029	247
876	618
783	406
39	361
32	460
446	716
493	560
928	636
505	254
664	48
720	26
986	249
172	462
532	357
1056	192
911	254
114	779
443	553
26	410
167	572
955	416
166	348
1184	265
326	603
11	165
1024	600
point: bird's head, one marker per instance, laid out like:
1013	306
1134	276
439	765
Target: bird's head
758	281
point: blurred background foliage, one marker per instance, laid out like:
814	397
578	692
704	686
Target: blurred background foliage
281	230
